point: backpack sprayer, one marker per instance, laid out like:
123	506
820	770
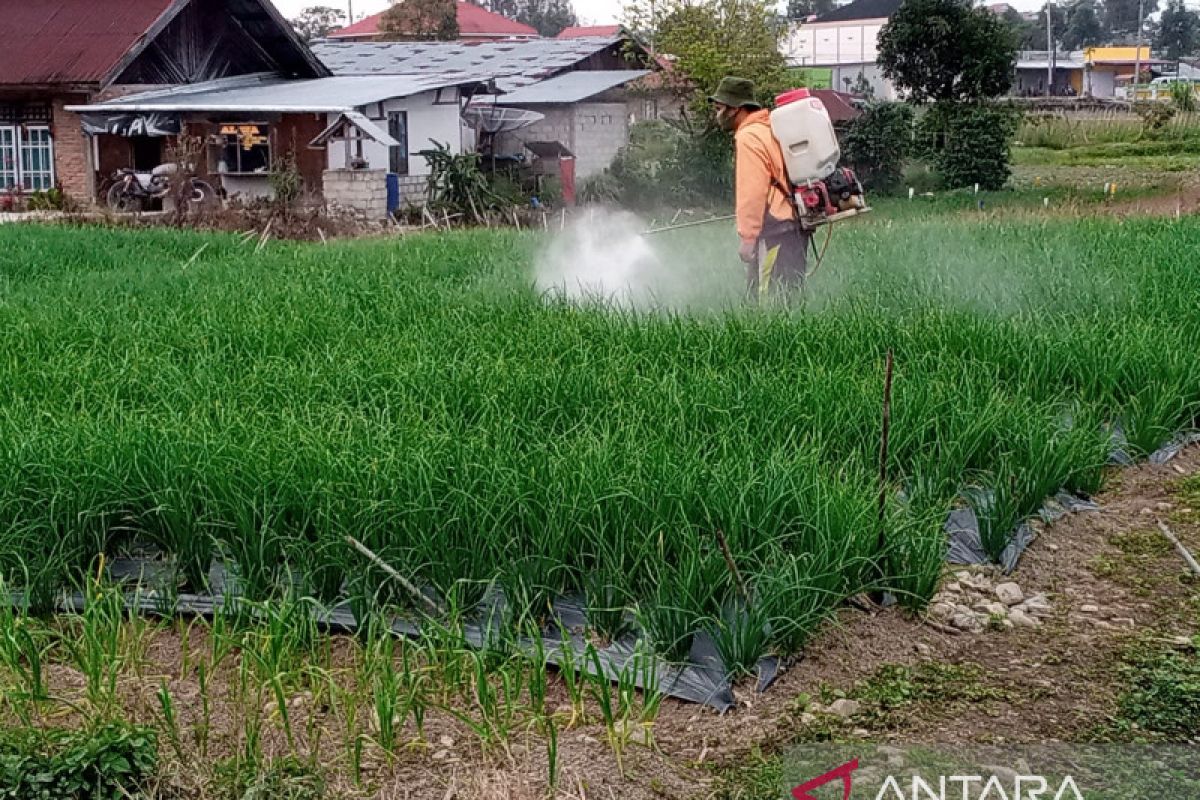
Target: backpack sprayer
820	191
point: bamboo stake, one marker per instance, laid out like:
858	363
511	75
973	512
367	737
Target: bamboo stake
1179	547
396	576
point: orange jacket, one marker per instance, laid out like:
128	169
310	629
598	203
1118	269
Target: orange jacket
758	166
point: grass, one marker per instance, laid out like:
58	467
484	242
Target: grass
420	396
1162	698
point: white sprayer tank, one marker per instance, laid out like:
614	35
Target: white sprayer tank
805	133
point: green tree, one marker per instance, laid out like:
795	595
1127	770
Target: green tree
1121	17
549	17
710	39
1083	26
315	22
420	20
947	50
803	9
1178	31
1032	35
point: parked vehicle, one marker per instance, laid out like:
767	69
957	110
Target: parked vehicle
131	189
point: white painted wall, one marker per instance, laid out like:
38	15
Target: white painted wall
827	44
426	120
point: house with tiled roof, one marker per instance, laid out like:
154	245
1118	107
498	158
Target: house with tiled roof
60	53
475	24
842	45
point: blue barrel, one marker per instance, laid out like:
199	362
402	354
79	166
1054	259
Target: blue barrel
393	193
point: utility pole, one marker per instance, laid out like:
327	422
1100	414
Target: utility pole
1137	61
350	9
1050	49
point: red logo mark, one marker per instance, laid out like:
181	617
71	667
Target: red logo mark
844	772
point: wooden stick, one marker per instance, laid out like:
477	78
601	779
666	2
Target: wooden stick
1179	547
729	562
396	576
195	255
516	220
321	233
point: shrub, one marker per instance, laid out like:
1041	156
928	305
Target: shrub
968	143
663	165
876	144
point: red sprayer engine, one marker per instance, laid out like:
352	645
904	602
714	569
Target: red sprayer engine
823	192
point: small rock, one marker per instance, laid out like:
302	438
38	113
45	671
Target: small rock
953	586
1124	622
895	761
963	575
844	708
966	622
1053	548
440	755
1102	624
890	751
982	606
1009	593
1162	506
961	609
1089	609
585	739
923	649
861	733
1147	512
996	609
807	718
1007	624
1038	600
943	610
1020	618
1182	642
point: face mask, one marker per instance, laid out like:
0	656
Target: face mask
727	119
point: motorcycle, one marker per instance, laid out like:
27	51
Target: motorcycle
132	189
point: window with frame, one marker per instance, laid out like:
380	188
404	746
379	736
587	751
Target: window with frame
37	159
243	149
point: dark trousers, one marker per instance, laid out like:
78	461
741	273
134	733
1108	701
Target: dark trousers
780	264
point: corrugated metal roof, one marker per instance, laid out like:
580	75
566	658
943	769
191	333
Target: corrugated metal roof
473	20
571	87
512	63
275	94
69	41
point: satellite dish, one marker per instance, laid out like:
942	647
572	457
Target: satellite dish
499	119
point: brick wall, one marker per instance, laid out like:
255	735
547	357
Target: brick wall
71	151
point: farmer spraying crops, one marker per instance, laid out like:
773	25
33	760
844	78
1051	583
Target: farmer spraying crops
773	246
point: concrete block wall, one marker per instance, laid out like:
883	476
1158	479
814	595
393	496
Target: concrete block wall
412	190
361	191
601	130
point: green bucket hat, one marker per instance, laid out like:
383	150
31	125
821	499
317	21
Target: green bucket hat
736	92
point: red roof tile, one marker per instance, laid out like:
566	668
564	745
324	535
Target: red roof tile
70	41
472	21
580	31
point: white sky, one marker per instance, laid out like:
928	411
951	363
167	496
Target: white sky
595	12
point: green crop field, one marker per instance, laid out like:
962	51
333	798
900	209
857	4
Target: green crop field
422	396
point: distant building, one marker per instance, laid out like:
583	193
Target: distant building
1094	72
844	42
475	24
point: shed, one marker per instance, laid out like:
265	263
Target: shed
586	112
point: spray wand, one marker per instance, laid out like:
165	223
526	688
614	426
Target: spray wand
683	225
